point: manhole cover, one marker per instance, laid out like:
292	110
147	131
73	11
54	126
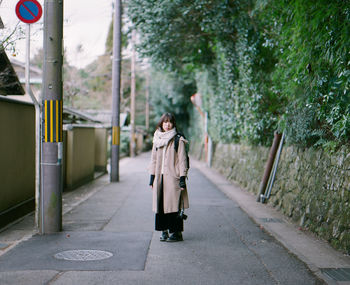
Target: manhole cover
83	255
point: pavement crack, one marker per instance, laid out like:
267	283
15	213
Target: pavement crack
72	205
117	211
256	255
147	254
55	278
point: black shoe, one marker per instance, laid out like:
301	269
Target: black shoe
164	236
177	236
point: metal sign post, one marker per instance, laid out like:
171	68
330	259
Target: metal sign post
30	12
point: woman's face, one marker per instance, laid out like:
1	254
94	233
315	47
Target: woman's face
167	126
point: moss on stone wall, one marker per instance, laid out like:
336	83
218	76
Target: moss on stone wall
312	187
242	164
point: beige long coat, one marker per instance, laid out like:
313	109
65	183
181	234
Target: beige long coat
175	165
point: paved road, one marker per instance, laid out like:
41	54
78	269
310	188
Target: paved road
222	245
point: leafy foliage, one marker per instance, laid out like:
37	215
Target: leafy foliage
171	93
259	65
311	41
171	32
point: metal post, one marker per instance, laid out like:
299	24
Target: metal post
133	95
114	176
37	127
269	164
52	107
206	136
147	99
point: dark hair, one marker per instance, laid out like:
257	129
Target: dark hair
166	117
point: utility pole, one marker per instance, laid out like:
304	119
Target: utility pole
147	99
114	176
52	107
133	95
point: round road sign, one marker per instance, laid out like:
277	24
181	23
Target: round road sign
29	11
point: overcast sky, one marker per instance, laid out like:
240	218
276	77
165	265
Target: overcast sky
86	22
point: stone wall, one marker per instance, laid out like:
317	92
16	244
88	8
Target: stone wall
242	164
312	187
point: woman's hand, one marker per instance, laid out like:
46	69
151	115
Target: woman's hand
182	183
151	180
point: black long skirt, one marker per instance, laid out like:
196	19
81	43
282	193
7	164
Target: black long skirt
168	221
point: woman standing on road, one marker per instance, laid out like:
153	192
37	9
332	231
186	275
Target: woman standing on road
168	171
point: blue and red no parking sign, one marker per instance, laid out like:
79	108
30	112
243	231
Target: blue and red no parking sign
29	11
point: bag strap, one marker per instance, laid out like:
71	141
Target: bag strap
176	141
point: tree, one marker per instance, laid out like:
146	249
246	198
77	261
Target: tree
10	36
270	64
171	93
173	33
189	37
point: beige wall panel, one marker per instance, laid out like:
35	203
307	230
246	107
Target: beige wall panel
17	153
101	137
139	142
80	156
64	159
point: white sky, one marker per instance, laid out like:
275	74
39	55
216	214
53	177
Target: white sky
86	22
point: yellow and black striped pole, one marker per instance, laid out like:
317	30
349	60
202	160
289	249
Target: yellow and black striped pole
52	121
51	117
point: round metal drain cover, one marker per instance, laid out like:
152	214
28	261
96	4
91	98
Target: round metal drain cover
83	255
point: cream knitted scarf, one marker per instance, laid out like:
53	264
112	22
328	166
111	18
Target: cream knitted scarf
162	138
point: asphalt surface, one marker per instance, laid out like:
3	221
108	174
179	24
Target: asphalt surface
108	238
